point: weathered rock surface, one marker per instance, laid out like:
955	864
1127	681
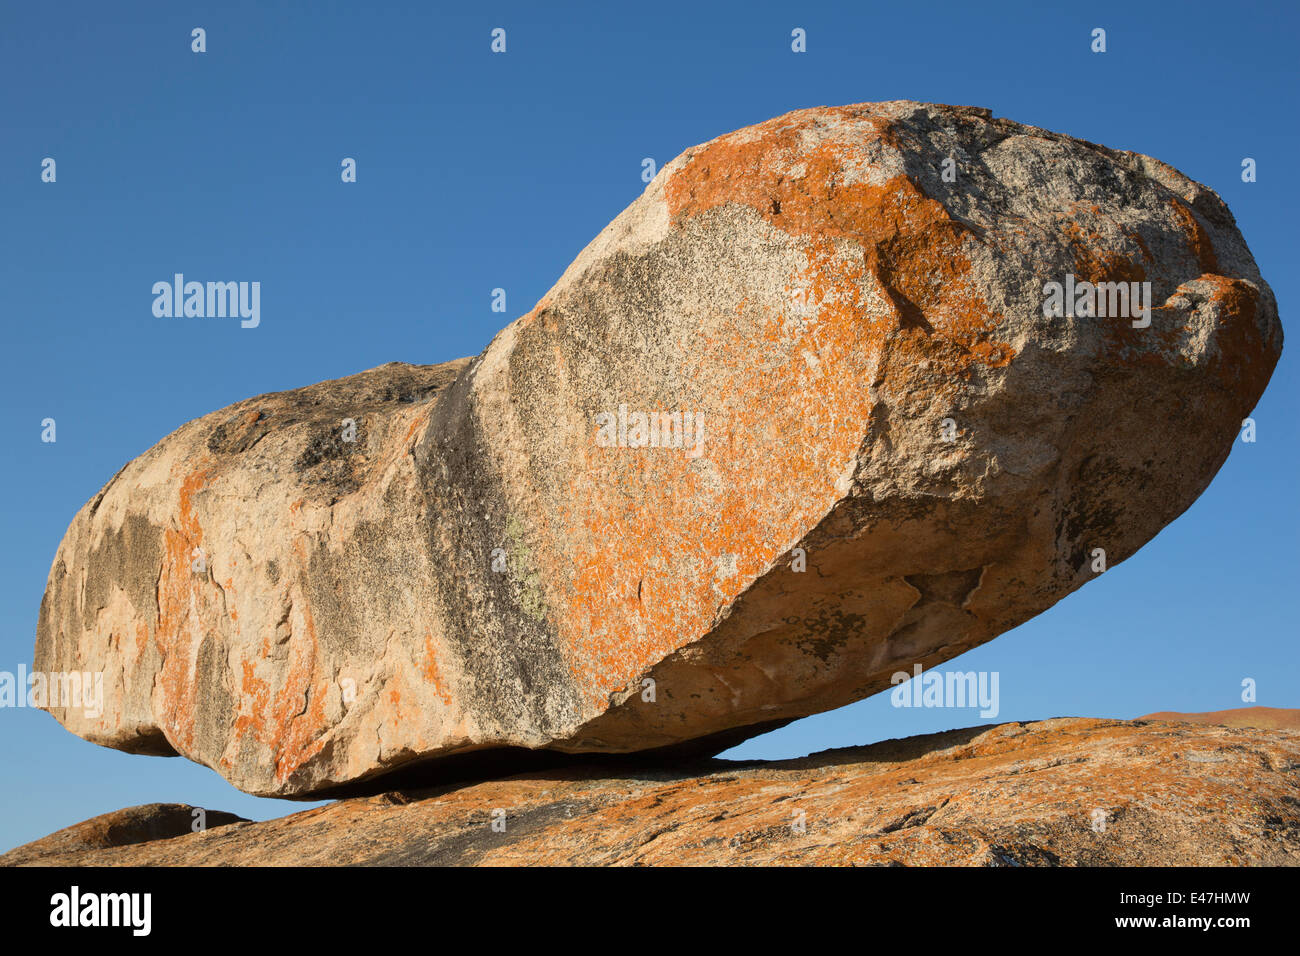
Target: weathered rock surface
1265	718
483	568
1014	794
148	823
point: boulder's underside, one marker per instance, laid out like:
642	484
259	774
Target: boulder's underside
877	451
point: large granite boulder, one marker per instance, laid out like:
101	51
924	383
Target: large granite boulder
830	399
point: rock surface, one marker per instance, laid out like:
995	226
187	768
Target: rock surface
1265	718
1009	795
148	823
492	565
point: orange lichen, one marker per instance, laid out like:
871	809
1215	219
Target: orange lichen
1241	361
295	720
410	432
916	252
255	693
1197	237
289	719
666	564
180	629
432	677
1095	257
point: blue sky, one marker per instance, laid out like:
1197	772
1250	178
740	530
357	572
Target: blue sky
478	171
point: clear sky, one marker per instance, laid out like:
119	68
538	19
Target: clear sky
477	171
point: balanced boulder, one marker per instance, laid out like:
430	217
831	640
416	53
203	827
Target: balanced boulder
848	391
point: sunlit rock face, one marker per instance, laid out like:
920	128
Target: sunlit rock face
851	390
